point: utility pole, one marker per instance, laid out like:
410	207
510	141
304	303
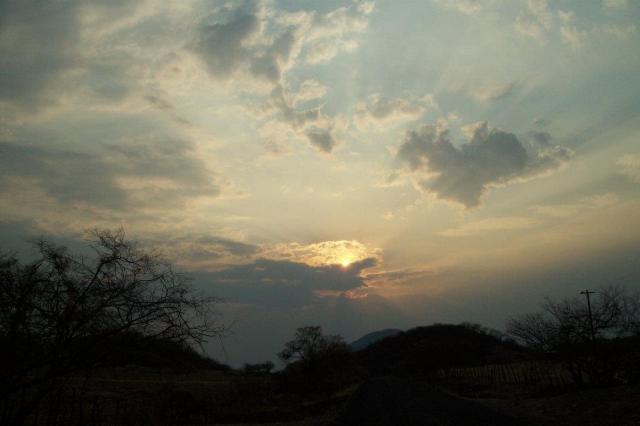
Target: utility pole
588	293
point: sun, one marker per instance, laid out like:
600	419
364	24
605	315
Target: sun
346	261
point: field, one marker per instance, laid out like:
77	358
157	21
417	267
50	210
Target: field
134	396
139	396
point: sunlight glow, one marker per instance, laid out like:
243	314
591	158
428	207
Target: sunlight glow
346	261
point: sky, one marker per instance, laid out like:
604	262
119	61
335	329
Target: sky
353	164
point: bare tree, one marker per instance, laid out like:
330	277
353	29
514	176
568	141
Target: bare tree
57	312
309	343
566	321
318	363
563	327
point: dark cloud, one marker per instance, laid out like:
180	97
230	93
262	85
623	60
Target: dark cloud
165	106
221	43
268	64
229	41
63	175
19	237
491	157
283	283
159	102
92	177
233	247
542	138
209	248
243	40
321	139
288	114
170	159
541	123
38	43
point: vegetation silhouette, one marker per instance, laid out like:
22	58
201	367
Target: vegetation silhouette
597	343
426	350
62	314
317	363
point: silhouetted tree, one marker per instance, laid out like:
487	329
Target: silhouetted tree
318	363
566	321
260	368
58	312
563	327
309	343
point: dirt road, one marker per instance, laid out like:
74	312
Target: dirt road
399	402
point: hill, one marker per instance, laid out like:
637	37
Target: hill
373	337
423	350
135	350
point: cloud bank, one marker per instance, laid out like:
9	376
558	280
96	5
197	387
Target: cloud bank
284	283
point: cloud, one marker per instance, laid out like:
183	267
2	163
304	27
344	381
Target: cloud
491	92
583	204
256	39
125	176
249	38
287	113
197	252
222	43
47	53
399	277
309	90
616	3
630	166
321	138
536	21
308	123
236	248
282	282
337	31
382	111
39	43
468	7
63	175
569	31
491	157
161	169
323	253
619	31
539	20
541	123
495	224
543	139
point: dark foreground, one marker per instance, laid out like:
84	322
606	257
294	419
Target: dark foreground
395	401
141	397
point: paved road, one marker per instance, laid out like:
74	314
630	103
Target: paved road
402	402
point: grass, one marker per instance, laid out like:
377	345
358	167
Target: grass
143	396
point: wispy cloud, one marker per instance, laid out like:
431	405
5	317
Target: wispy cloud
485	226
630	166
379	110
581	205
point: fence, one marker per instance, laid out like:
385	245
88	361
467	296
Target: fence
538	373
